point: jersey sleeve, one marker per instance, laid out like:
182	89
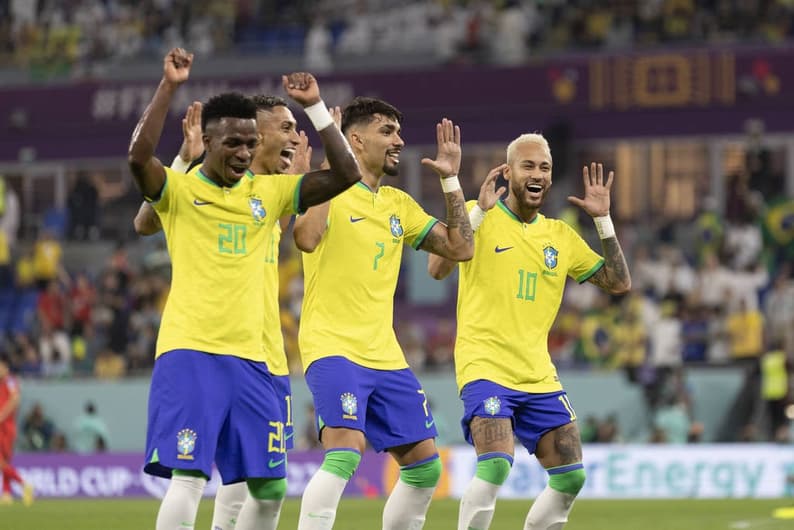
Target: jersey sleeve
585	261
416	222
291	187
173	181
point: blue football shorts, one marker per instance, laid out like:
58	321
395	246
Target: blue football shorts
204	408
388	406
532	415
284	395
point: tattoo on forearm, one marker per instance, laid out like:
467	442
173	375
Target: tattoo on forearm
614	275
568	444
457	218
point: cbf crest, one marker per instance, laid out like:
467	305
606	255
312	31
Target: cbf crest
349	406
395	226
550	256
185	444
492	405
257	209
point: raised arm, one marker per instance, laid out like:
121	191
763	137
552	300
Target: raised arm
310	227
614	276
453	240
319	186
147	170
146	221
438	267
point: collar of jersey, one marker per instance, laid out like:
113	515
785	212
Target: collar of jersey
206	179
363	186
510	213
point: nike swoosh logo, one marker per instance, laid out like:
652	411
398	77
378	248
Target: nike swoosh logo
429	424
275	463
318	516
356	219
201	203
499	249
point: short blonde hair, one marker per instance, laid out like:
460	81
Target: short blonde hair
528	138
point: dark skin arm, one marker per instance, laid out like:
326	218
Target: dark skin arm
320	186
146	221
147	170
614	276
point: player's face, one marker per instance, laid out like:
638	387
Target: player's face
529	174
278	139
230	145
380	145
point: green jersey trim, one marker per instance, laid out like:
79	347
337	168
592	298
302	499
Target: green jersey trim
510	213
586	276
296	197
423	234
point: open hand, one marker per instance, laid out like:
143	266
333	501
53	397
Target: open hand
192	145
447	162
302	87
488	192
301	162
176	66
596	192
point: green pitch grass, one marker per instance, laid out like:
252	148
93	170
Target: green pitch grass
357	514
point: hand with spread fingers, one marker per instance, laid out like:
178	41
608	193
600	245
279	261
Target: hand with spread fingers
488	192
596	191
447	162
192	144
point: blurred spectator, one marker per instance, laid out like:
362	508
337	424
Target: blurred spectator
37	429
779	308
54	343
745	328
83	204
317	50
109	365
47	253
776	391
90	431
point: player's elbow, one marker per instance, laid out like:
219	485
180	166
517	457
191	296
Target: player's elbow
438	271
621	287
462	252
304	241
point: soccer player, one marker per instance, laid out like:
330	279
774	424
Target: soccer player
9	402
508	297
281	149
212	397
357	373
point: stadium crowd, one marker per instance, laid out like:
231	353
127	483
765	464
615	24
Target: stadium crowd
78	37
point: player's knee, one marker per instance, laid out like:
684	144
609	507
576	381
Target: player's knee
569	479
341	462
267	489
423	474
494	467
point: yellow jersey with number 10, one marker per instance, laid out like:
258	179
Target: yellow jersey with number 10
509	295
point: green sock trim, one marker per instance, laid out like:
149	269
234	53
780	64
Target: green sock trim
569	482
341	462
425	475
267	489
494	470
195	473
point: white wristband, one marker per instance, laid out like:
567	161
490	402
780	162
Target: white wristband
180	165
604	226
450	184
319	115
476	215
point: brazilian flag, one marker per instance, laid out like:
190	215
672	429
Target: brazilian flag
779	222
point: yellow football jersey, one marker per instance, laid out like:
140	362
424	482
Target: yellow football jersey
350	278
218	240
272	338
509	295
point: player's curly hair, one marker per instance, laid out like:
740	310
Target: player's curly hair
266	102
362	110
227	105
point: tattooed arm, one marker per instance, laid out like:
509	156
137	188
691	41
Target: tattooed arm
614	276
455	239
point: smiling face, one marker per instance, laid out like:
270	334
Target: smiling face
278	137
377	145
230	144
529	175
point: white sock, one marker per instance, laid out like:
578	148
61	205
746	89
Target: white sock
228	501
549	511
259	514
407	507
320	499
477	505
180	504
